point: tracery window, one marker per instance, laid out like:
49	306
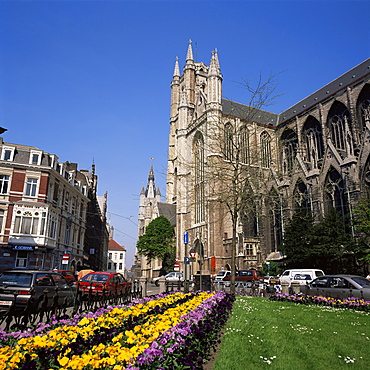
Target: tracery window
363	108
340	129
244	145
312	138
276	226
265	149
302	197
289	142
199	178
228	139
336	193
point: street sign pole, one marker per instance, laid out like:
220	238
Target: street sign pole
186	265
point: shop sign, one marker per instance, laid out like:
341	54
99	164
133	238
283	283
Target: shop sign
23	247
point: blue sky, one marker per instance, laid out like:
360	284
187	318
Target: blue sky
89	81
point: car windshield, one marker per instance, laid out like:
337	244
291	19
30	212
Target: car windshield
221	273
15	278
302	277
93	278
245	273
365	283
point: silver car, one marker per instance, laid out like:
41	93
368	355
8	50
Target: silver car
171	276
30	287
338	286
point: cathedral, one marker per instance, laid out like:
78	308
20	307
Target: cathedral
316	154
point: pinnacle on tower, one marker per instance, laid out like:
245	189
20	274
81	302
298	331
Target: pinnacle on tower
214	66
189	54
176	72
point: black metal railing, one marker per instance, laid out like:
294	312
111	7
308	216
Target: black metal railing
16	318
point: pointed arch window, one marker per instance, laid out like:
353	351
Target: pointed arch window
289	142
199	178
340	129
265	149
302	197
336	193
228	139
312	139
244	145
276	223
363	108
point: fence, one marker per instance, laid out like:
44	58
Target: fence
15	318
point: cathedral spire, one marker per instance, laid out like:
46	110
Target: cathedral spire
176	72
189	54
151	174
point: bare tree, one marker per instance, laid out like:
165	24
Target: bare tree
237	168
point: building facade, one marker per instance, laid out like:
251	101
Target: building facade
151	207
43	209
116	258
315	154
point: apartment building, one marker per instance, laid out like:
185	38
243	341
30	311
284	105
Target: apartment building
43	212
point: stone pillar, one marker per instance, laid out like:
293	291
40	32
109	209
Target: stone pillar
296	287
284	287
162	284
143	281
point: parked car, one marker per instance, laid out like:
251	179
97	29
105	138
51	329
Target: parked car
171	276
68	275
109	282
271	280
220	276
288	275
302	279
23	287
245	277
339	286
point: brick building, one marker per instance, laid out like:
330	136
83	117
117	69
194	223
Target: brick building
45	209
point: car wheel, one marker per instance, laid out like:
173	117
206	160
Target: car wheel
156	283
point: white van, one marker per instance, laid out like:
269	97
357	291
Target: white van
303	276
221	274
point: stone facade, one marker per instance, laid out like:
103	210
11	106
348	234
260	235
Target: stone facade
315	154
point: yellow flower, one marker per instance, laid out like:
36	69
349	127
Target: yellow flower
63	361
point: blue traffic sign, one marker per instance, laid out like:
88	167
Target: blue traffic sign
187	259
186	237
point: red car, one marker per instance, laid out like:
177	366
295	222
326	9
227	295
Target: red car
245	277
68	275
110	283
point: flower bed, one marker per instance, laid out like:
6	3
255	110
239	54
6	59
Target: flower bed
171	331
349	303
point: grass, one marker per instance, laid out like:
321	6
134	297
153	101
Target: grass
263	334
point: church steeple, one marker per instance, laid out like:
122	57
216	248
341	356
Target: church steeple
150	188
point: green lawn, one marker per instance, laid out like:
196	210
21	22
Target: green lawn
263	334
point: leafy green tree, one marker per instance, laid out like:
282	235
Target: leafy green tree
331	244
297	240
325	245
362	224
158	242
273	270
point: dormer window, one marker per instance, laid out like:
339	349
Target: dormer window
7	153
35	157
